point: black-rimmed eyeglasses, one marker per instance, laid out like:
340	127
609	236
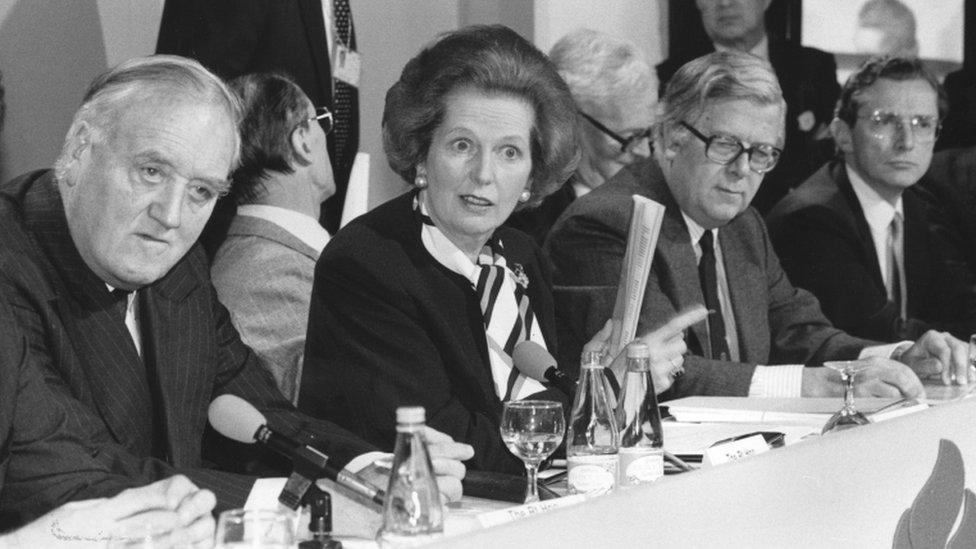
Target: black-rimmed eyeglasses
725	149
629	144
322	115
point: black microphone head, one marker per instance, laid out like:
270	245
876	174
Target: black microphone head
235	418
532	360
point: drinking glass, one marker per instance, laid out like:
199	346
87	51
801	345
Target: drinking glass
265	528
532	430
848	416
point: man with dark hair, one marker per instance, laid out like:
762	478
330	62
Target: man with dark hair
103	274
263	271
807	76
720	131
859	233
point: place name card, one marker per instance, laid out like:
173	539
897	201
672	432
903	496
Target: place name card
735	450
494	518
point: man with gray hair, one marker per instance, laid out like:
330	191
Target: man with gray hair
721	131
99	262
616	93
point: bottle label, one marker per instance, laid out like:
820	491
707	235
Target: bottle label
592	475
640	466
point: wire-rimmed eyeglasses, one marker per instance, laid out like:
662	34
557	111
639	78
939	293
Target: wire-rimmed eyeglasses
629	144
322	115
886	124
725	149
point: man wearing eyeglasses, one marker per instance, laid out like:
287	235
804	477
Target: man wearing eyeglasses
615	92
858	233
721	129
263	270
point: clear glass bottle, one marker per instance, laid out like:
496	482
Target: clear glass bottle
412	512
591	442
641	439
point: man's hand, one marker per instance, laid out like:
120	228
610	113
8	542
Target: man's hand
446	457
882	378
940	353
172	512
666	344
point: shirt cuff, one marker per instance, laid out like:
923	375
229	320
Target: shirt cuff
890	350
361	462
777	381
264	494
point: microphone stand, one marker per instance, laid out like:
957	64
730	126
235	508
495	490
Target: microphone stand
319	503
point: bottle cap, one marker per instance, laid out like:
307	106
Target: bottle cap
410	414
638	350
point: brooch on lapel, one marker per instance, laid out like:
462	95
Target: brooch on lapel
520	277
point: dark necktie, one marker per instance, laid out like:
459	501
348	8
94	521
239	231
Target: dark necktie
896	264
343	96
709	284
121	298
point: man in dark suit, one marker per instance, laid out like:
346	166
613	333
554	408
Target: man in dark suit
859	233
807	76
44	463
298	38
116	301
721	124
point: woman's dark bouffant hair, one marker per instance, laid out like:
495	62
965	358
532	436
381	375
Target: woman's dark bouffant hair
493	59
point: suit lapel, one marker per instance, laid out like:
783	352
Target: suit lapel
111	366
173	328
746	280
856	213
917	254
675	255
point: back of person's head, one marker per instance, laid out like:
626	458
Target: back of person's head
891	68
602	70
157	79
273	107
492	60
887	27
718	76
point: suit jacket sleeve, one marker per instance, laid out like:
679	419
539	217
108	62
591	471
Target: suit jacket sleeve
370	349
267	290
43	462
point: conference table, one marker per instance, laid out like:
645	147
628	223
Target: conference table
904	482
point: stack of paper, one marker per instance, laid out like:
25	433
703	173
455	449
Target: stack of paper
790	411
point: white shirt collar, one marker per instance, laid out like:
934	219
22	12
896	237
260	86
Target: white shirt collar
877	211
696	231
760	50
301	226
579	188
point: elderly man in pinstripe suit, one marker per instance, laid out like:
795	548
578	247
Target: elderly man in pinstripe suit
98	259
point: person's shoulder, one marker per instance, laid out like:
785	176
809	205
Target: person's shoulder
820	189
376	233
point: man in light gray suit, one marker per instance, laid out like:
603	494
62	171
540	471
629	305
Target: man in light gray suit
721	129
264	268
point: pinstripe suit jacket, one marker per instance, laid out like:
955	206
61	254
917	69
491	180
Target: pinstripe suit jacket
192	352
42	462
776	322
263	275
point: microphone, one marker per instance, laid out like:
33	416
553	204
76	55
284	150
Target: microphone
534	361
237	419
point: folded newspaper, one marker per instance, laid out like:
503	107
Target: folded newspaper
645	226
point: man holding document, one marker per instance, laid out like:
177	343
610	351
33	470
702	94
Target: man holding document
721	130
